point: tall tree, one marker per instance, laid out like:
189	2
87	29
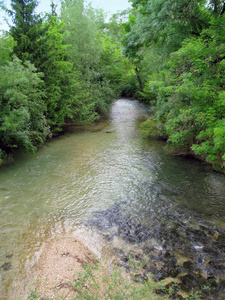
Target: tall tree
83	32
166	23
25	29
62	86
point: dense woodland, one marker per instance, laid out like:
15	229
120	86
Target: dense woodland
67	67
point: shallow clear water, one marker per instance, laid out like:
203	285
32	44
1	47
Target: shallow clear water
85	171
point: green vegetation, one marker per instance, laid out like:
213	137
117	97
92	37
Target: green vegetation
182	43
95	281
22	107
69	68
99	280
55	70
149	128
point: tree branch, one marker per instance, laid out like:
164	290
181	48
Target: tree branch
223	9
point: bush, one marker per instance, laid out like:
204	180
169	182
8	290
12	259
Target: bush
190	106
149	128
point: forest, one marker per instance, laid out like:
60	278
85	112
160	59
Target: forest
68	66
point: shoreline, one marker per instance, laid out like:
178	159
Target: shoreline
59	262
67	269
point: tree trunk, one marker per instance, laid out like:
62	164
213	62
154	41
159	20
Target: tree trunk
139	79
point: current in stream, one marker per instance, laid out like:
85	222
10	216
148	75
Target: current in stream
106	182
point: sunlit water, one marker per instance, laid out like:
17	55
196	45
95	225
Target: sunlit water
88	174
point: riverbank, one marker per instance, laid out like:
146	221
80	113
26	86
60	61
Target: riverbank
58	263
149	129
115	191
70	270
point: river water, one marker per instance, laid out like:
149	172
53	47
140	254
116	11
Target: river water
107	183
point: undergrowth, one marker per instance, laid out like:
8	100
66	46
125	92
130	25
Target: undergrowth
103	281
97	281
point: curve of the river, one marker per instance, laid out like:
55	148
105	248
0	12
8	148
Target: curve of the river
107	179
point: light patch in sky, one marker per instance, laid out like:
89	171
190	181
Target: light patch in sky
109	6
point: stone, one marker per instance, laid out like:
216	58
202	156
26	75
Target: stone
6	266
220	242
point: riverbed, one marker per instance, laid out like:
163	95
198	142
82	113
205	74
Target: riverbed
118	193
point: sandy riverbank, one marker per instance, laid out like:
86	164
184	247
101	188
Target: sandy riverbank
59	263
65	260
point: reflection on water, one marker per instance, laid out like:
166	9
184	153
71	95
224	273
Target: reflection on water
60	187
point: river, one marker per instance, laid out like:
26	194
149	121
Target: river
106	182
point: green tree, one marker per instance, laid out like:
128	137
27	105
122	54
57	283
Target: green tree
170	22
178	47
25	29
22	121
51	61
132	46
121	68
114	66
83	31
190	96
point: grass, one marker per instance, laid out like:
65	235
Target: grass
99	281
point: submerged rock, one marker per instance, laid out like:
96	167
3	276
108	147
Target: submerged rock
148	250
6	266
170	238
127	230
139	278
169	270
110	131
220	242
215	268
3	189
190	281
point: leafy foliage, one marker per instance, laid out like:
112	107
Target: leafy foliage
149	128
69	70
57	71
25	29
190	96
87	52
178	47
22	122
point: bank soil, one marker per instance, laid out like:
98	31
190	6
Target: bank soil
58	267
67	269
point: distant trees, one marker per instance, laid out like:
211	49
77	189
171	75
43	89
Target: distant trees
55	70
82	27
68	69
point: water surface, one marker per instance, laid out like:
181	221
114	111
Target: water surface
96	177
